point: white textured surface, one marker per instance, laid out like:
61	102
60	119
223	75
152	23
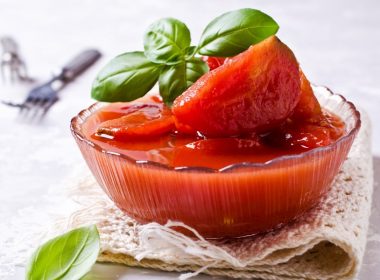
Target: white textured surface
337	43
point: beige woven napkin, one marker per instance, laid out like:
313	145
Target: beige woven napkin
326	243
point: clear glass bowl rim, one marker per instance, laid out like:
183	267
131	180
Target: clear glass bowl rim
79	119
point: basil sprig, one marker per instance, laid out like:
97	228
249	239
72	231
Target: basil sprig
170	59
66	257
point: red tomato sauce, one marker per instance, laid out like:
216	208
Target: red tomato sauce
160	141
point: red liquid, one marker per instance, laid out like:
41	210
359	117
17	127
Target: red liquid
178	149
244	201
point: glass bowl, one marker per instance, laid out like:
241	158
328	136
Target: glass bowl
237	200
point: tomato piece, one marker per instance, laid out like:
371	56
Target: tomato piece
184	128
254	91
213	62
308	107
139	121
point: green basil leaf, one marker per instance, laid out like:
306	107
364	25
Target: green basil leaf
66	257
190	52
177	78
125	78
233	32
166	41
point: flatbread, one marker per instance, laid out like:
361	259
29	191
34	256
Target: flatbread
327	242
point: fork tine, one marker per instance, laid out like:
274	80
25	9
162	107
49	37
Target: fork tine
23	112
14	73
40	109
23	109
22	73
10	73
12	76
4	70
36	108
38	102
48	105
27	106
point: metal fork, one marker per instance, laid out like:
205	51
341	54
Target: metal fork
12	66
42	98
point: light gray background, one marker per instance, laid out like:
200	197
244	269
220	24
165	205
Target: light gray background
336	42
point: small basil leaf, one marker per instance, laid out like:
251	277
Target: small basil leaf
190	52
66	257
166	40
175	79
233	32
125	78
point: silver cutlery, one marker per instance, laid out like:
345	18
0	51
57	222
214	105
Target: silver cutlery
12	66
40	99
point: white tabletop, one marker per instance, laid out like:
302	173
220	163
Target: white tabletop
336	42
